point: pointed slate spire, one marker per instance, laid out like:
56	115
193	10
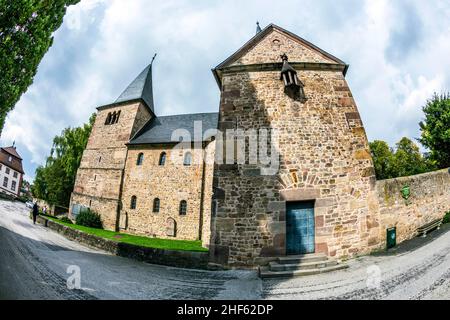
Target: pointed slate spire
140	88
258	28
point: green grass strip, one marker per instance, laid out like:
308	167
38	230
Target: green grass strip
168	244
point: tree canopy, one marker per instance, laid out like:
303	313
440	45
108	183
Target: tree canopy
405	160
26	34
54	182
435	129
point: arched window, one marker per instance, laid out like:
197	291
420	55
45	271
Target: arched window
117	117
171	227
108	119
162	159
140	159
114	117
156	205
183	208
133	202
187	159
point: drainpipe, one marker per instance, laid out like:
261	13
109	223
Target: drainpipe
202	194
119	206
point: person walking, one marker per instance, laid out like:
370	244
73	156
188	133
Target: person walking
35	212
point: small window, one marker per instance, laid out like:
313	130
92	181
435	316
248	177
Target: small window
113	118
140	159
99	159
13	185
133	202
15	174
156	203
187	159
183	208
108	119
7	170
10	159
5	182
117	117
162	159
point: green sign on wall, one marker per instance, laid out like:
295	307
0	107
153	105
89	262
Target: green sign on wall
406	192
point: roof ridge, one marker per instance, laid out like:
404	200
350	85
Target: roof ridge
183	114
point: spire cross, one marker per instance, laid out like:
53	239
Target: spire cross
153	58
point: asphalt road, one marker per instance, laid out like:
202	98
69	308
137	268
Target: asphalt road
36	263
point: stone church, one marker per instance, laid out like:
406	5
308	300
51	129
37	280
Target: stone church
320	200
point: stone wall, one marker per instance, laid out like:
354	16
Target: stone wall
276	43
324	157
429	200
171	184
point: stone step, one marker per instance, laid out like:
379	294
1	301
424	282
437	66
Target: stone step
304	258
265	273
275	266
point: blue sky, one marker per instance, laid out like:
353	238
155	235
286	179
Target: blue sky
398	53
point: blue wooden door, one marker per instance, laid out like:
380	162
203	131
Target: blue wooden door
300	228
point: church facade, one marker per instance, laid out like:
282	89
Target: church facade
173	176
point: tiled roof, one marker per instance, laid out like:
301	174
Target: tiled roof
16	160
160	129
140	88
12	151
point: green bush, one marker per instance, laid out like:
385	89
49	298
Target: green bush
446	217
66	220
89	219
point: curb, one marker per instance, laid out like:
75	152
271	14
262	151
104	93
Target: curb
172	258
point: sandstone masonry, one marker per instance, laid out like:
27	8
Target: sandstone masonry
143	179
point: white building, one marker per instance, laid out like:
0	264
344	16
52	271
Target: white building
11	171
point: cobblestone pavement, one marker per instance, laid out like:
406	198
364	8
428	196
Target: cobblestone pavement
34	262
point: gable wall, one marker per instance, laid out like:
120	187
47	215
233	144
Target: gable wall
275	44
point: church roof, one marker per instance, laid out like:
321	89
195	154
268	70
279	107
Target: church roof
140	88
160	129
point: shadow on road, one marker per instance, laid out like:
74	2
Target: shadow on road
414	243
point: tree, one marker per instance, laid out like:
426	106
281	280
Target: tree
39	186
26	34
435	129
405	160
383	159
408	160
54	182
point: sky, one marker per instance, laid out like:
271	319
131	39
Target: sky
398	52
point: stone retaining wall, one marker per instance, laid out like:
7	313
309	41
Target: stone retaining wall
174	258
429	199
